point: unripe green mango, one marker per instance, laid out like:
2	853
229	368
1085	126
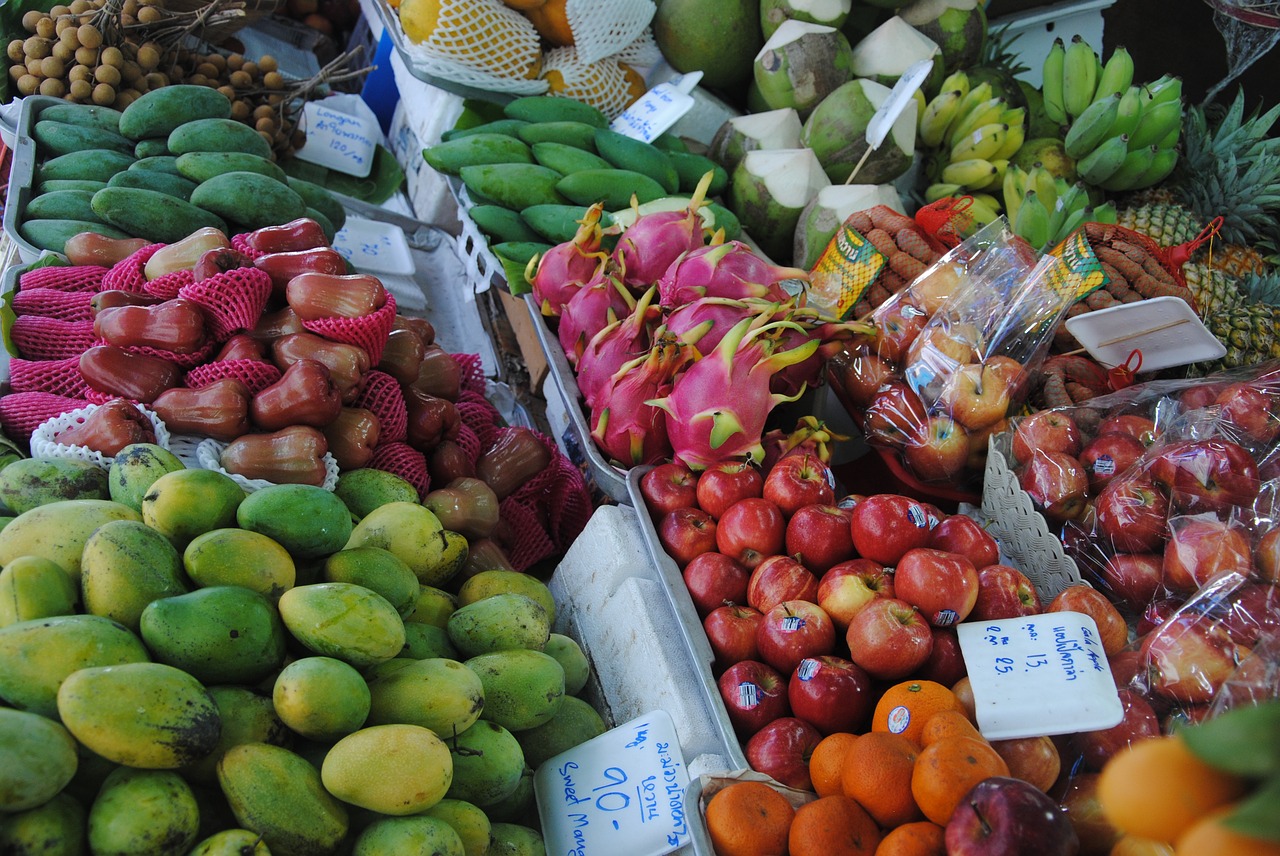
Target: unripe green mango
218	635
345	621
143	813
306	520
487	762
575	723
321	698
522	688
365	489
53	828
238	557
443	695
278	794
520	807
433	606
246	717
37	759
376	569
184	504
514	839
31	482
409	530
396	769
135	468
58	531
231	842
491	582
469	821
409	835
571	657
499	623
426	642
34	587
125	566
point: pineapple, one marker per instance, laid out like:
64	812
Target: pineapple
1248	329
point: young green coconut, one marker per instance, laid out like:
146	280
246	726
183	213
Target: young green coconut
801	64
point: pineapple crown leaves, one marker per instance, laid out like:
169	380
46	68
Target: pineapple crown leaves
1261	289
1212	133
997	51
1248	199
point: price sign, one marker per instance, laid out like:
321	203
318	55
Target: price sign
658	109
338	140
619	793
1039	674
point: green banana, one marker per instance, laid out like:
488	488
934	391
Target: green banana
1079	76
986	113
1103	162
1170	139
1255	815
984	143
1044	184
1051	87
1165	161
974	173
1117	74
1072	221
958	81
1012	190
1156	122
982	211
942	190
1135	165
1032	222
1244	741
938	116
1128	111
1013	141
1074	196
1166	88
1001	167
1092	126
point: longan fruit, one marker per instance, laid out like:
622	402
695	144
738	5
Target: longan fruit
235	62
62	25
240	79
198	80
87	56
267	125
59	10
104	95
53	88
108	74
37	47
263	110
270	140
275	100
156	79
80	89
112	56
46	28
297	140
268	63
51	66
240	110
273	80
208	69
28	84
31	20
132	73
89	36
148	57
79	7
250	68
228	91
219	61
16	71
80	72
15	51
35	68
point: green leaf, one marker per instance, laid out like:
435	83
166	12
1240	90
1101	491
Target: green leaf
1244	741
383	181
1256	814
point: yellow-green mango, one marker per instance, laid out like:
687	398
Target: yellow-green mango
135	468
410	531
306	520
246	717
514	839
408	835
469	821
522	688
32	482
426	641
571	657
34	587
37	759
186	503
232	842
218	635
145	715
443	695
501	622
54	828
575	723
433	606
238	557
377	569
365	489
488	583
278	794
520	807
321	698
57	531
395	769
350	622
487	762
143	813
125	566
37	655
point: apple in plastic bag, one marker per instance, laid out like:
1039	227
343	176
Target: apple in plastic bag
1201	548
1049	430
1056	483
939	451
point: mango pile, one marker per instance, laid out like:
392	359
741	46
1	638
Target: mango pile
185	668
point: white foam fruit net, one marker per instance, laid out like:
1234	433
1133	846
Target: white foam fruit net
642	52
44	440
601	28
602	84
481	43
208	455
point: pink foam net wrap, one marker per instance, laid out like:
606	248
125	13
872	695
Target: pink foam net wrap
183	361
240	244
39	338
64	278
127	275
472	372
255	374
547	512
232	300
382	397
59	377
167	287
368	332
478	414
469	441
403	460
21	413
52	303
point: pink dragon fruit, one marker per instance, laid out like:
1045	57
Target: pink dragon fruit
717	407
649	246
561	271
833	335
723	270
594	306
619	342
705	321
624	424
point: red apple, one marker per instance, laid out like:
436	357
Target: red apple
782	749
1013	373
724	483
1056	483
859	375
1253	682
894	416
1080	801
1139	427
1107	456
1004	816
831	694
1132	514
1113	632
1134	579
1189	658
975	396
1126	669
896	328
961	534
754	695
1158	611
1202	547
792	631
714	579
780	578
979	445
889	639
1047	430
686	532
731	630
1267	555
939	350
942	585
851	585
945	664
750	531
1248	611
1139	721
667	487
1200	395
1207	475
1034	760
886	525
799	480
1005	592
939	451
1250	409
818	535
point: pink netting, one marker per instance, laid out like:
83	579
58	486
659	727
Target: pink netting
52	303
382	397
127	275
23	412
59	377
478	414
182	361
403	460
232	300
167	287
64	278
240	244
548	512
472	372
469	440
369	332
40	338
93	396
255	374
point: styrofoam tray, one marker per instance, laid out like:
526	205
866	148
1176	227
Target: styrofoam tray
1166	330
374	247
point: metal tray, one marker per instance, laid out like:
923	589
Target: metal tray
22	173
695	639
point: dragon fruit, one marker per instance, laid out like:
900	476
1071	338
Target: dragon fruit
594	306
811	436
833	335
705	321
717	407
619	342
624	423
649	246
729	269
561	271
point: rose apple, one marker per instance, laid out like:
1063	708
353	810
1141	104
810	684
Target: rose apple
799	480
1056	483
731	630
685	533
724	483
1005	592
1048	430
1157	612
818	535
793	630
1188	658
976	396
1034	760
714	579
939	451
961	534
667	487
1080	801
1207	475
1004	816
859	375
1202	547
942	585
1134	579
782	749
889	639
1132	514
945	664
1267	555
1113	632
1139	427
750	531
896	328
851	585
780	578
1107	456
886	525
1250	409
1140	721
894	415
1249	612
831	694
754	695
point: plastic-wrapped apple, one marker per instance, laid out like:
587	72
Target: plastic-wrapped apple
976	395
936	285
1057	484
895	415
939	451
859	375
897	328
1050	430
942	348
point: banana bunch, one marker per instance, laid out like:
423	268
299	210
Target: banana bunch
1121	135
1044	209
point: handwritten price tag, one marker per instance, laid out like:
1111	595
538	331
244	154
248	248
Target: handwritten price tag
622	792
658	109
338	140
1039	674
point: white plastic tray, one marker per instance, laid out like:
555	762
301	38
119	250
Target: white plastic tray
1165	329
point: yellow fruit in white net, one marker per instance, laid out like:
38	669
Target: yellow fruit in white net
605	84
485	35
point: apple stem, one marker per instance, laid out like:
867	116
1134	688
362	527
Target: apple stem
986	827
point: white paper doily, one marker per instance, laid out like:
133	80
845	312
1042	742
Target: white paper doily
208	456
44	445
